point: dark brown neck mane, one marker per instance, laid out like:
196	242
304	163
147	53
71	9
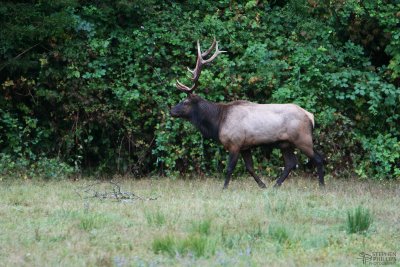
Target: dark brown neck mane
207	117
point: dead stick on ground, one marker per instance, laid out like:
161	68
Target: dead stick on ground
115	193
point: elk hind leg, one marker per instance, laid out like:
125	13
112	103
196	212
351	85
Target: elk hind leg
290	163
319	161
306	146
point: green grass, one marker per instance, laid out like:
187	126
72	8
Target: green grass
279	233
359	220
195	245
196	223
90	221
202	227
164	245
156	218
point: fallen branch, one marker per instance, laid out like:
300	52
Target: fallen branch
92	191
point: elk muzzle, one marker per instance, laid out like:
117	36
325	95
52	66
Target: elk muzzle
178	111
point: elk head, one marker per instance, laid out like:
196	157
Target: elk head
187	107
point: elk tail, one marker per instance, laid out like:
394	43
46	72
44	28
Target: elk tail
311	117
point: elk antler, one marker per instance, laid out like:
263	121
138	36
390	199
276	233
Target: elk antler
199	64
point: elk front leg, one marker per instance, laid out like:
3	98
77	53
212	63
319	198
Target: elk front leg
233	158
248	161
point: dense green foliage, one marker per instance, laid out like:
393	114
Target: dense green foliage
87	85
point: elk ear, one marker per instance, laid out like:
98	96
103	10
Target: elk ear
194	98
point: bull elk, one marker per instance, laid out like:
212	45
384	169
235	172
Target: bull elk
242	125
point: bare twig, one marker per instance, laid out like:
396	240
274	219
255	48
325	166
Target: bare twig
18	56
141	159
91	191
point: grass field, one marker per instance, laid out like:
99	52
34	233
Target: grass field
195	223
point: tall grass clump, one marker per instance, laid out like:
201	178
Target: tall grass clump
193	244
202	227
155	218
256	233
90	221
278	233
359	220
197	243
165	245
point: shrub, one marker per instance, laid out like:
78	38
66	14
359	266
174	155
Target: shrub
91	84
43	168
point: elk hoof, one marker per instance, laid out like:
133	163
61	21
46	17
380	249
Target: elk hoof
262	185
277	185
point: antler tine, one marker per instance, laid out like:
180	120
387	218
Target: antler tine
200	61
197	70
184	88
209	49
217	52
199	64
191	71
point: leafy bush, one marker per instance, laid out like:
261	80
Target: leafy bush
91	83
43	168
384	157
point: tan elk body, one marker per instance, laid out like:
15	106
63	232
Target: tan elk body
248	124
242	125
